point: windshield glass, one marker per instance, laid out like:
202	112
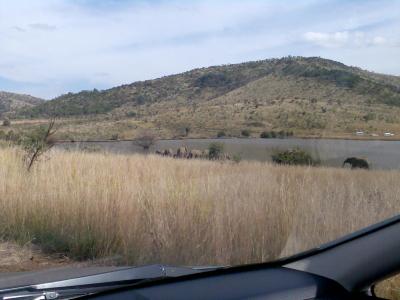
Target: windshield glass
193	133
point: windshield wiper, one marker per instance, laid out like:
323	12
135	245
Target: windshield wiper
88	285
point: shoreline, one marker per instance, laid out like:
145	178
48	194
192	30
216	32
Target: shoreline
382	139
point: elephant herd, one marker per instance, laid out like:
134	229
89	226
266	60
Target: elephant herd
184	152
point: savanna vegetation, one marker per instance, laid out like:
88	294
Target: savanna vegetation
184	211
144	209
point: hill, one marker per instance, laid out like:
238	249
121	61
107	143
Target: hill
311	96
11	102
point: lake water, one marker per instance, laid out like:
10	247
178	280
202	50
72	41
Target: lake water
332	152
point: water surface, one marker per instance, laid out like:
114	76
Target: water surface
331	152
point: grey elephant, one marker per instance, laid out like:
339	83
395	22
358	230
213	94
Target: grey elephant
182	152
356	162
205	153
168	152
195	153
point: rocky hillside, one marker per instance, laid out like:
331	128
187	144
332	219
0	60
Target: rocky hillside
10	102
205	84
304	95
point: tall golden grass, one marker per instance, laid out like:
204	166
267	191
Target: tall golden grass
149	209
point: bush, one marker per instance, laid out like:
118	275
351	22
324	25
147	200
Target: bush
131	114
6	122
281	134
13	137
221	134
115	137
265	135
213	80
237	158
215	150
38	142
294	156
245	133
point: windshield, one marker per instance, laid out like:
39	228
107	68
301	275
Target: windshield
193	133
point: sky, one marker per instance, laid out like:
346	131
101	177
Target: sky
51	47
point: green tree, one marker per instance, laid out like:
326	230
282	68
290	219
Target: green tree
38	142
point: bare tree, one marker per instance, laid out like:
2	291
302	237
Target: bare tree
145	140
39	142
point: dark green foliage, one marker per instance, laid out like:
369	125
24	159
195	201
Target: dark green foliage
221	134
272	134
187	130
294	156
131	114
265	135
212	80
237	158
215	150
281	134
245	133
369	116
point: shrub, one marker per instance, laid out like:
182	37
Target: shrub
265	135
294	156
38	142
215	150
221	134
281	134
212	80
187	130
131	114
145	140
6	122
12	137
237	158
245	133
115	137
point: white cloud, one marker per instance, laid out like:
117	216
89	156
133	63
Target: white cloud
335	39
344	39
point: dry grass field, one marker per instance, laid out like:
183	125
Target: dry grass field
147	209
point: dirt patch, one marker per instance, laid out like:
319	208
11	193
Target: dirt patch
16	258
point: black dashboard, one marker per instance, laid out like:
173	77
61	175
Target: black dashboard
268	283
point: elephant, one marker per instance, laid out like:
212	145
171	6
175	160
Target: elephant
195	153
182	152
205	153
168	152
356	162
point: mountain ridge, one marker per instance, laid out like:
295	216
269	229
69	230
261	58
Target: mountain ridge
10	102
207	83
307	95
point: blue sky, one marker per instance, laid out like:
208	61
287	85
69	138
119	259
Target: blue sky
50	47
